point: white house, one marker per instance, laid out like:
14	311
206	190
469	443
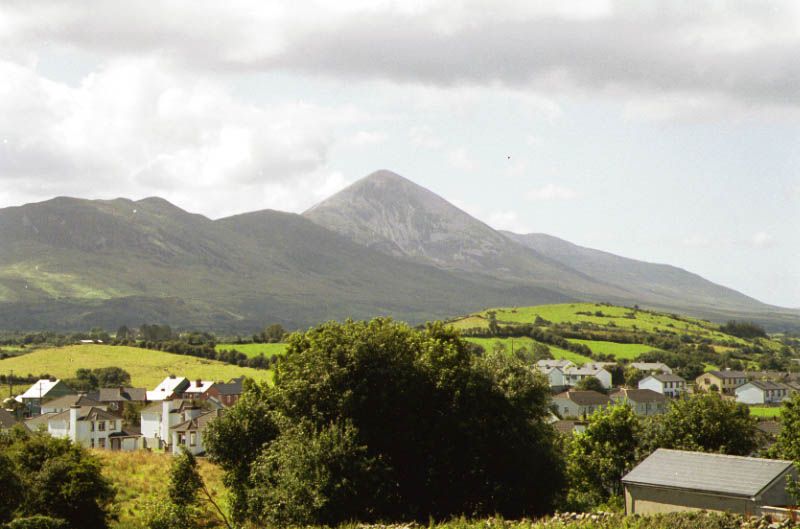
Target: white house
574	403
90	427
763	392
40	391
555	376
643	401
669	385
652	367
189	433
574	375
158	419
169	388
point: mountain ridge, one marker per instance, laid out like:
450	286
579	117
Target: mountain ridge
383	246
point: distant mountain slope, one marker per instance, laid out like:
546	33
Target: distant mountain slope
71	263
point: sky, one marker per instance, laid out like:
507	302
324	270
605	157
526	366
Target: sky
663	131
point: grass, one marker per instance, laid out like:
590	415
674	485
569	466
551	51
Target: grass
558	353
146	367
627	351
765	412
141	478
254	349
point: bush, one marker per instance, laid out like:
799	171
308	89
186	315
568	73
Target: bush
38	522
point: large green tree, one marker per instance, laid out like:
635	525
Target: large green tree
704	422
451	433
598	457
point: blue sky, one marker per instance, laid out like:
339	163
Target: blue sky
663	131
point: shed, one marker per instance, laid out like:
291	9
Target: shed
676	480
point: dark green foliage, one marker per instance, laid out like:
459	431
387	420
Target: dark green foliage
320	476
184	480
10	486
58	479
705	423
271	334
599	457
452	433
744	329
102	377
591	384
38	522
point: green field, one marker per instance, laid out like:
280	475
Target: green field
768	412
558	353
146	367
627	351
141	479
612	316
254	349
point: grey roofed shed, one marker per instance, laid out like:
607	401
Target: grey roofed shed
671	480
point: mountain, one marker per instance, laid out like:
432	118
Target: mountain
71	264
383	246
396	216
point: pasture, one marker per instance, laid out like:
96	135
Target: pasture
146	367
515	343
620	351
254	349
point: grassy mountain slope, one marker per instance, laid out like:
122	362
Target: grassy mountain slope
71	263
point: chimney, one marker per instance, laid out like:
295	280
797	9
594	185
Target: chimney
199	383
73	422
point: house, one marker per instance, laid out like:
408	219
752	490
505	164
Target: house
64	403
573	375
643	401
666	384
7	420
170	387
569	426
724	382
652	367
675	480
87	426
228	393
189	433
158	419
763	392
561	364
555	376
575	403
116	398
40	391
200	390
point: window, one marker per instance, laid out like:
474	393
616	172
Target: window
102	442
91	443
101	426
112	425
192	438
92	427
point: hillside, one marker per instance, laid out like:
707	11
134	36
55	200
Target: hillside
608	332
146	367
383	246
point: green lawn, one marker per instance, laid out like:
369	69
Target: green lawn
488	344
628	351
254	349
769	412
147	367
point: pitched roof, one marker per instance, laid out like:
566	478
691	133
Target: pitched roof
87	413
649	366
234	387
667	377
167	387
34	423
40	389
199	386
638	395
766	385
554	363
7	420
727	374
129	431
587	370
698	471
70	400
567	426
584	397
122	395
770	427
199	423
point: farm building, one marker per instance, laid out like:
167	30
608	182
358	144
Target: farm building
674	480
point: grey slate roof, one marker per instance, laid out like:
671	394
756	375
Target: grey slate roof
122	395
716	473
667	377
71	400
584	397
638	395
728	374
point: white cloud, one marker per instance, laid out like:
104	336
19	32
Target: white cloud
460	159
137	127
551	192
507	220
762	239
364	138
696	241
425	138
